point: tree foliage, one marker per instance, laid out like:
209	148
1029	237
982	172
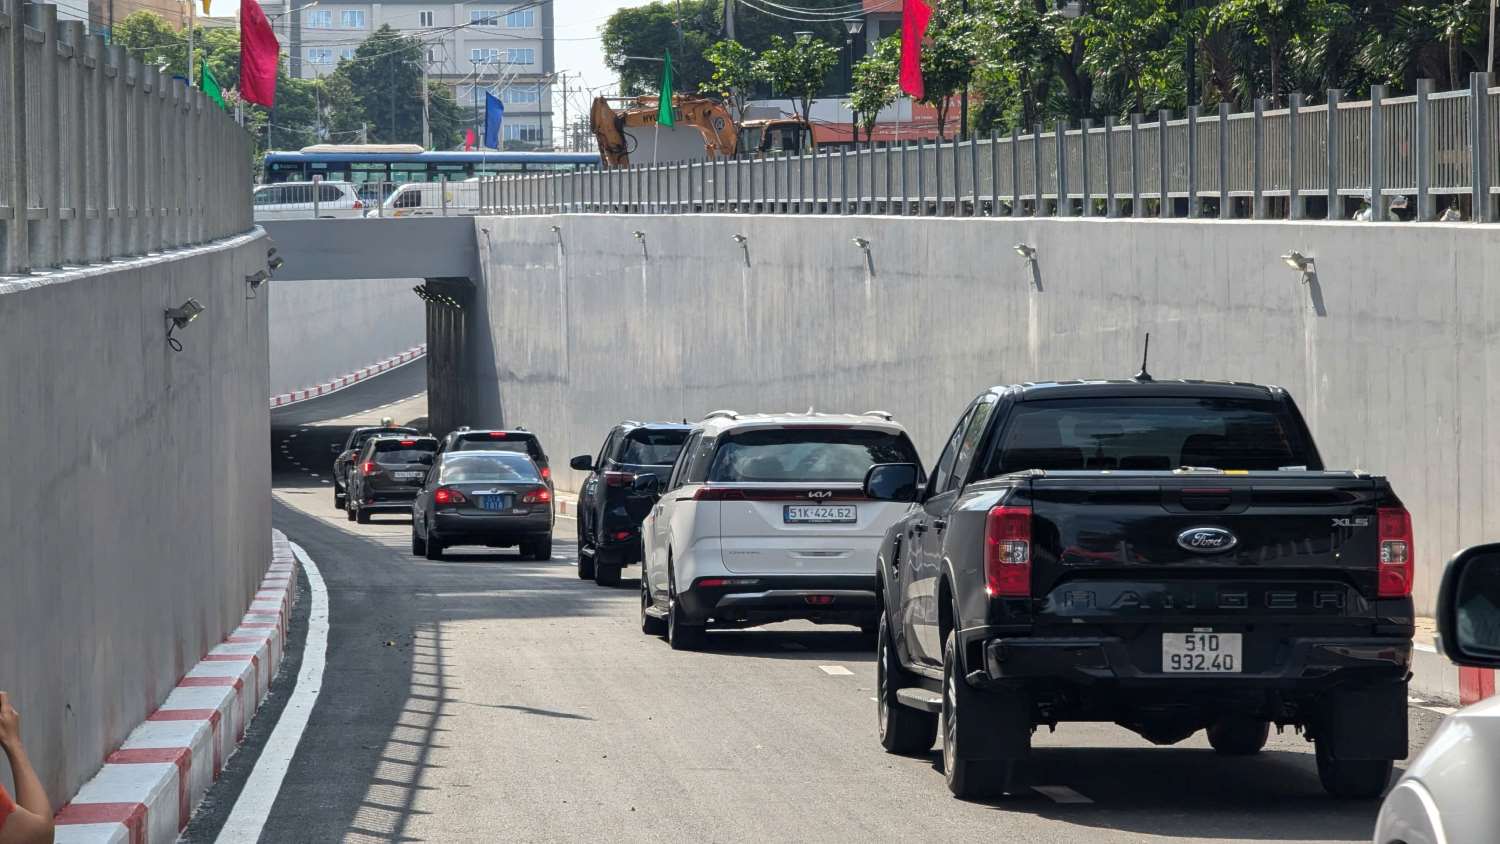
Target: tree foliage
796	69
948	59
876	81
733	74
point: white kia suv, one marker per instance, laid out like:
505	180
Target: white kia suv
763	519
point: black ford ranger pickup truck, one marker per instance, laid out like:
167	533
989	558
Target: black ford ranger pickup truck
1170	556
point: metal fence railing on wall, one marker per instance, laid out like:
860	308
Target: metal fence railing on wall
1437	152
102	157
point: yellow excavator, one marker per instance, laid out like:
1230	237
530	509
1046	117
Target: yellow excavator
609	117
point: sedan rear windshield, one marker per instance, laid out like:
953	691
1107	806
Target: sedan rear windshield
484	442
1159	434
652	448
810	455
490	467
395	452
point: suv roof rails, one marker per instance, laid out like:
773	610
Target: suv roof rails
880	414
727	414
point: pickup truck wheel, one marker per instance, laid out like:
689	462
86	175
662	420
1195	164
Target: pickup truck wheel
968	779
902	729
650	624
1238	736
585	561
606	569
1356	779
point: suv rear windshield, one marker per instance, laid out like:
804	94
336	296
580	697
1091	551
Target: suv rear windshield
488	468
359	437
652	448
1151	434
395	452
807	454
510	442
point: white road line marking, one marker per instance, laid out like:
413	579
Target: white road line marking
1060	794
314	475
248	818
1421	646
324	482
1431	707
836	670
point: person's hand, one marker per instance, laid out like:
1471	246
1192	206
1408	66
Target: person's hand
10	723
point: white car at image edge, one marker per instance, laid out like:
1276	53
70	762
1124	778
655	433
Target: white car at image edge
763	519
1448	794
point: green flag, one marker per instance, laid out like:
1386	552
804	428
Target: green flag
664	103
210	86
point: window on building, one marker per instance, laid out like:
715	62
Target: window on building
484	17
318	19
522	94
424	18
320	56
352	19
520	55
484	55
522	19
523	132
347	54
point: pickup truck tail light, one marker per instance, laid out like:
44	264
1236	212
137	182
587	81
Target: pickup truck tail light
447	495
540	495
1396	552
618	479
1007	552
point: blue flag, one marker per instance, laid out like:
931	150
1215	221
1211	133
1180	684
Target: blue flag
494	112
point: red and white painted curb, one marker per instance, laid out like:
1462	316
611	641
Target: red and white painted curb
351	379
146	790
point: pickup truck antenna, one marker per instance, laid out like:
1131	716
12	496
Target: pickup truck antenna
1144	376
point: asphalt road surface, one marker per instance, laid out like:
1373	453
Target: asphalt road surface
486	698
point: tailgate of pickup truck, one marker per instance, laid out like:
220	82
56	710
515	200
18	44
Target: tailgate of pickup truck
1114	549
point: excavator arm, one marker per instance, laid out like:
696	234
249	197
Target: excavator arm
709	117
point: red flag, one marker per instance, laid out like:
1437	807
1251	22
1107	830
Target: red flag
914	17
258	55
468	139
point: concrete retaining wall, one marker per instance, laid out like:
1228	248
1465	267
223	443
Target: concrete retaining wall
323	329
1389	348
135	509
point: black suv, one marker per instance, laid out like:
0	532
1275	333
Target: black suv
518	440
388	474
347	452
1170	556
610	510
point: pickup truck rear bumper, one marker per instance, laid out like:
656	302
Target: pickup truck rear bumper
1303	663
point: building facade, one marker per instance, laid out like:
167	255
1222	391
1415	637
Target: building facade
504	47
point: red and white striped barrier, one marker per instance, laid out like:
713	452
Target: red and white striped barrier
351	379
1475	684
146	790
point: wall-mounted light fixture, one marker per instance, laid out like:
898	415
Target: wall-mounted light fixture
557	232
1301	263
1026	251
744	245
179	317
434	297
254	281
864	245
641	236
273	261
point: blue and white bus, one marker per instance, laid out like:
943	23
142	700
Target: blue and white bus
408	163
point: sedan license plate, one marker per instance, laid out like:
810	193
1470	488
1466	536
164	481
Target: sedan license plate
819	514
1201	653
408	476
494	502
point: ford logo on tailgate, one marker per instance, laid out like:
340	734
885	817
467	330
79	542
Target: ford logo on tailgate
1207	540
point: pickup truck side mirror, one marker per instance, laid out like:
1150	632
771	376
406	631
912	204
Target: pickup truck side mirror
892	482
582	463
646	484
1469	607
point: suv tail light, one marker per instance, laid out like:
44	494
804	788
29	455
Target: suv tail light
537	496
497	435
618	478
706	493
447	495
1395	552
367	468
1007	552
546	473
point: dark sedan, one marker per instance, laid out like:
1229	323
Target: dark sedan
347	452
492	498
519	440
387	474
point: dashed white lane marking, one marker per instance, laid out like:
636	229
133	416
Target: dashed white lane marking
248	818
836	670
324	482
313	474
1060	794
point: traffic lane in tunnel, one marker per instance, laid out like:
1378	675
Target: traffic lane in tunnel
393	385
486	698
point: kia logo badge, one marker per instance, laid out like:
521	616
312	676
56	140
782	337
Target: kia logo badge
1207	540
820	493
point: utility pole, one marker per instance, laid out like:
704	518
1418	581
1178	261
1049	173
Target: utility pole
729	19
426	130
192	19
564	77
